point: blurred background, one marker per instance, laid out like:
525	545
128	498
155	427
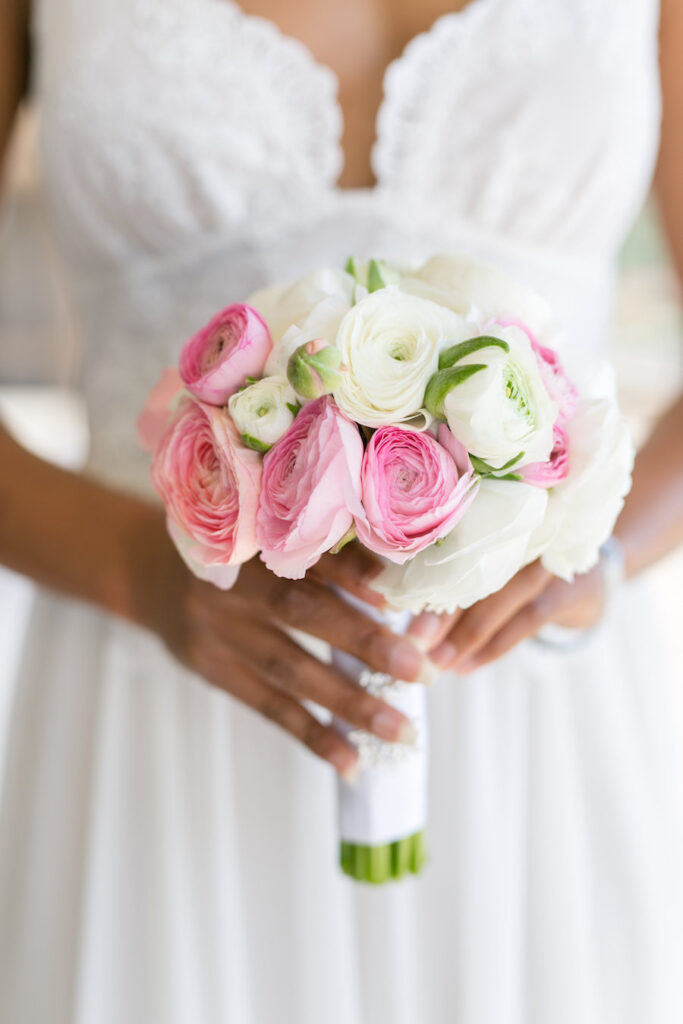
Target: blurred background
38	356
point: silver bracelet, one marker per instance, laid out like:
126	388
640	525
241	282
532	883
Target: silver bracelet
613	562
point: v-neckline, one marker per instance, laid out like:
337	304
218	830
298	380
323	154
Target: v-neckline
462	14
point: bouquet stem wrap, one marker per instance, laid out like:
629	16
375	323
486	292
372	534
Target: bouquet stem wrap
382	818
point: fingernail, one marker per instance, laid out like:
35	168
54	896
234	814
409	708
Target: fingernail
407	733
428	674
468	665
443	654
373	597
424	628
389	725
350	774
405	660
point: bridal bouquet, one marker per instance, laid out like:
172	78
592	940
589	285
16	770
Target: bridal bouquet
434	414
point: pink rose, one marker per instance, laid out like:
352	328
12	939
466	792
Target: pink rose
414	490
209	483
311	489
556	469
217	360
558	385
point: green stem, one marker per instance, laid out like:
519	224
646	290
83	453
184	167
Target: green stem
379	864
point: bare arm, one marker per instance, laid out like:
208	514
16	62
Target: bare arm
80	538
39	535
652	521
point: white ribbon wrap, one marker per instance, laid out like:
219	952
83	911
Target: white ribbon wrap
389	800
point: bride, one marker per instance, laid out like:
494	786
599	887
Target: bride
166	855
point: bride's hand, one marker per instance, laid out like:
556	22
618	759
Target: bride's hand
488	629
236	640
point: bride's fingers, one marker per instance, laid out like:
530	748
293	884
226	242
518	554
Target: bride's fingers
284	664
353	569
243	683
524	624
314	608
428	629
480	623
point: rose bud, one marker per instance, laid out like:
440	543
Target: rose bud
216	361
263	412
313	369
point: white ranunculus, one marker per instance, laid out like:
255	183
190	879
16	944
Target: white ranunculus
284	305
505	408
260	411
583	509
461	283
390	344
487	547
322	321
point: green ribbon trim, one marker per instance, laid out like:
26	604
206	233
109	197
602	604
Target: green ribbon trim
387	863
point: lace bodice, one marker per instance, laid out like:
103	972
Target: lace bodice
192	152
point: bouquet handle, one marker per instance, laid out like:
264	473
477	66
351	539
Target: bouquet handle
382	818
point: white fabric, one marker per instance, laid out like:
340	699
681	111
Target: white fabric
165	855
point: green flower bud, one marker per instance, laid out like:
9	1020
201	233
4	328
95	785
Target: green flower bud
313	369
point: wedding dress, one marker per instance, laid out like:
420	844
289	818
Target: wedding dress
167	857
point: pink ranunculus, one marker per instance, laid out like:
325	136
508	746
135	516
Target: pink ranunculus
556	469
560	388
216	361
558	385
209	483
415	490
311	489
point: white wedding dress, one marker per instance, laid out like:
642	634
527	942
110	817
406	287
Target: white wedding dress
167	857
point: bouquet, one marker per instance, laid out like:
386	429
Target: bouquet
434	414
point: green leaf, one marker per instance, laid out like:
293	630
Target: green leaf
484	469
511	476
350	266
375	277
465	348
255	444
444	381
294	408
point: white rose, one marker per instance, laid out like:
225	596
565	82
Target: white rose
322	321
583	509
261	411
504	408
462	283
389	344
284	305
487	547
